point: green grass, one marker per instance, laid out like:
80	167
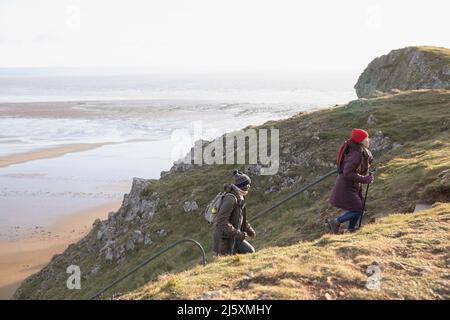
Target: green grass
439	55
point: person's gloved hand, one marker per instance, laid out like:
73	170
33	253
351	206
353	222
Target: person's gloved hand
241	236
368	179
251	232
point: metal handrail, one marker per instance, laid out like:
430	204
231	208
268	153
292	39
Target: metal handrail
294	194
200	246
147	261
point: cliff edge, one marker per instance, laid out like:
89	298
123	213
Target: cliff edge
409	68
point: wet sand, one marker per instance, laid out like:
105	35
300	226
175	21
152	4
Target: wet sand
47	153
56	151
21	258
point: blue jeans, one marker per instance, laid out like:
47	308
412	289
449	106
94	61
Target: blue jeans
351	216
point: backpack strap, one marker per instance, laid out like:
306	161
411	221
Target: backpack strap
342	151
235	198
366	161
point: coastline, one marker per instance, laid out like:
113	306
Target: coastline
21	258
47	153
56	151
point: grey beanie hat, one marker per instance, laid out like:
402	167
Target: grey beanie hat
241	179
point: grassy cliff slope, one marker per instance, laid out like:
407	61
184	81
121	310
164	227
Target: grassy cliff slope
411	144
412	252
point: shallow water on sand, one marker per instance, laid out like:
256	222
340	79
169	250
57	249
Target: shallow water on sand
39	192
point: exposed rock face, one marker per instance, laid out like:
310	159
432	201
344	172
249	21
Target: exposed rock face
139	202
406	69
129	223
190	206
371	120
379	141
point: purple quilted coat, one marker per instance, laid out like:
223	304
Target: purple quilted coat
347	193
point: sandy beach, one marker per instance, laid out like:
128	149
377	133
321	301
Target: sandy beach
21	258
52	152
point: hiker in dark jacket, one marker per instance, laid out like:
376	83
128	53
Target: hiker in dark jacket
347	192
232	228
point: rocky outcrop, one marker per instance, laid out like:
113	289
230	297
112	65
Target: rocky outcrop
190	206
406	69
126	229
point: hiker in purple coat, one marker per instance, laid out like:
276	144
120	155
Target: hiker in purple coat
353	172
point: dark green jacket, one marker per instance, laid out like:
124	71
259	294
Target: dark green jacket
231	221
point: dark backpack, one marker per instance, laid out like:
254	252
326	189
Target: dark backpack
343	149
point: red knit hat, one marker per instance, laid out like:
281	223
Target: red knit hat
359	135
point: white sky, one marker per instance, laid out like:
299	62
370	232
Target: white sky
212	35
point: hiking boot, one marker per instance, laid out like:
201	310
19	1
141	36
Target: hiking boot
334	226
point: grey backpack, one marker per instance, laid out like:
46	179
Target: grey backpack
214	206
